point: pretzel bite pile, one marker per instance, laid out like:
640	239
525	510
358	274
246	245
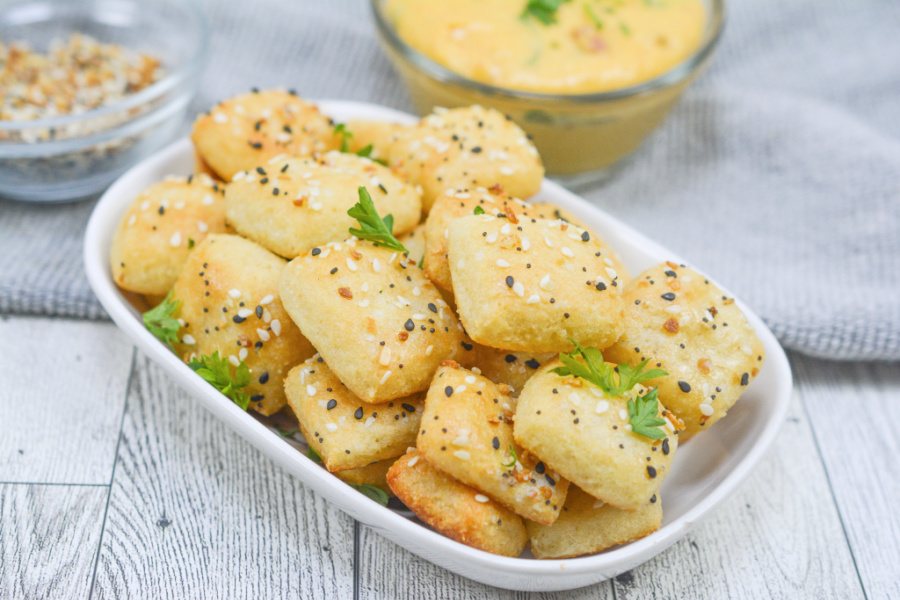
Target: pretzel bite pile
487	360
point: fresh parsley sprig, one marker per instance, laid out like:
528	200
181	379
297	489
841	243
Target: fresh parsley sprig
160	322
478	211
643	415
373	227
312	455
341	131
600	373
542	10
375	493
615	381
367	153
215	370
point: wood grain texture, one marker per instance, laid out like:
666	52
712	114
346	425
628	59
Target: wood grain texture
779	537
63	391
48	539
854	409
197	512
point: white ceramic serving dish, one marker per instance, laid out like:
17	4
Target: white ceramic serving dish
706	471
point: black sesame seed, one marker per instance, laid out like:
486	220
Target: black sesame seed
331	404
409	325
510	281
585	237
549	479
432	307
316	251
409	407
448	390
162	210
476	149
540	468
685	386
653	499
510	358
259	312
238	319
665	446
334	270
466	345
668	296
671	274
601	286
359	413
496	443
257	397
651	471
532	363
745	379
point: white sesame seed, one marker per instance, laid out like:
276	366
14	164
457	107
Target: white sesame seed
460	389
673	309
505	229
316	205
331	427
747	350
276	326
491	237
385	376
707	400
608	262
598	504
220	118
266	300
202	227
364	303
470	379
574	398
244	313
242	354
412	462
602	407
548	242
310	390
376	265
462	440
351	264
706	389
365	286
546	282
178	205
502	263
507	171
429	350
403	301
628	427
417	291
385	358
706	410
462	455
611	272
234	360
567	252
369	421
250	178
519	289
623	414
145	205
131	220
237	177
175	240
234	293
533	299
481	498
188	339
263	335
419	317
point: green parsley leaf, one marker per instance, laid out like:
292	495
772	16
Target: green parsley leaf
216	371
542	10
478	211
589	11
513	458
367	153
191	243
615	381
421	264
372	227
160	322
288	433
375	493
312	455
642	413
341	131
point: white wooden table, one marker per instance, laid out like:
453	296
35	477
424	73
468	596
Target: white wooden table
115	484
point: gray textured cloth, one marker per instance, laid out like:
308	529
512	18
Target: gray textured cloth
779	174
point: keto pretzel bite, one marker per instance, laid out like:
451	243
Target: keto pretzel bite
245	131
292	205
512	368
467	432
378	134
455	509
379	323
228	291
691	329
587	525
531	285
414	241
466	148
345	431
160	228
585	436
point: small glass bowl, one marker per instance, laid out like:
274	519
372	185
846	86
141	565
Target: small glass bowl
580	136
86	152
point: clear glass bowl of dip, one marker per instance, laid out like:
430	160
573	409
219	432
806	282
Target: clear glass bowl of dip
77	155
581	137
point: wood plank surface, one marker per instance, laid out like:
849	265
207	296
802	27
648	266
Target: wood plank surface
197	512
63	391
48	539
855	411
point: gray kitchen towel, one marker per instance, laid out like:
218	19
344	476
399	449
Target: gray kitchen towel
779	173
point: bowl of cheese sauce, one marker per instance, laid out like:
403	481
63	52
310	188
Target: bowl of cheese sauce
588	79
